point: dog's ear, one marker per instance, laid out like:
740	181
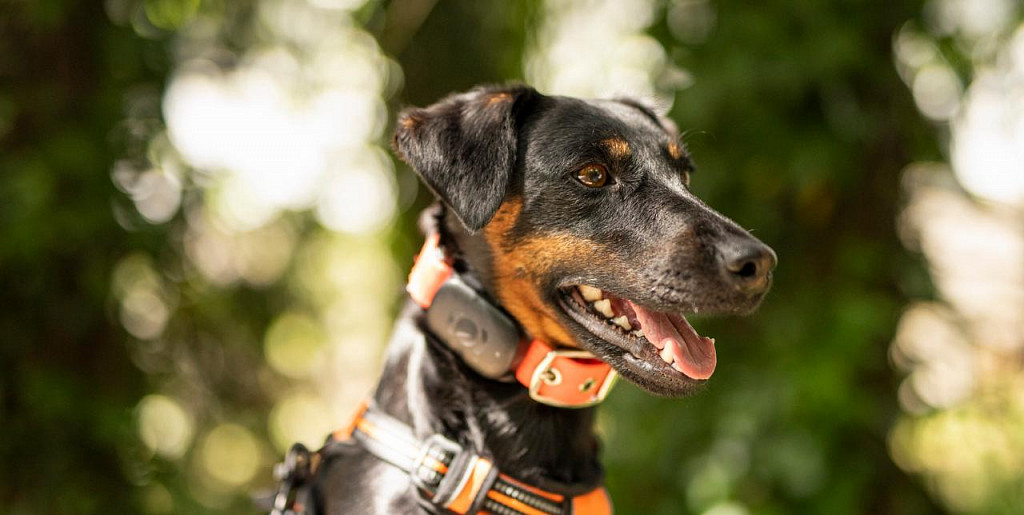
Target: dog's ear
464	148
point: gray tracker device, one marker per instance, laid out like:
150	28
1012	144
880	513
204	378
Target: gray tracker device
480	333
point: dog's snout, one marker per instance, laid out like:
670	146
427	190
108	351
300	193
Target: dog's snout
747	262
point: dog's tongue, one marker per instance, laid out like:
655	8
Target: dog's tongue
693	354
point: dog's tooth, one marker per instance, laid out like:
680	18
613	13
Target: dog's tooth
638	333
666	353
590	294
622	322
604	307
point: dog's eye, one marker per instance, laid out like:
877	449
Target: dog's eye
686	178
593	175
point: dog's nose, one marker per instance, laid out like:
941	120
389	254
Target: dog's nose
746	263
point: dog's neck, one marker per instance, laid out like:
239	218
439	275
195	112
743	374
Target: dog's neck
427	386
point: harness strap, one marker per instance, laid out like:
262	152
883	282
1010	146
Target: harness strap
565	378
456	479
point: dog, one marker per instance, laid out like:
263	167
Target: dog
565	250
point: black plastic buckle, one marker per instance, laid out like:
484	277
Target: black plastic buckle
291	474
459	463
438	453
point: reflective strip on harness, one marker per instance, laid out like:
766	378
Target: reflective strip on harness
458	480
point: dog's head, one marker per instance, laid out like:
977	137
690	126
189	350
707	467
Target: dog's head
577	215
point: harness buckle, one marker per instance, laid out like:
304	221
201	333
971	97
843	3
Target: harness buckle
546	374
436	457
453	478
294	472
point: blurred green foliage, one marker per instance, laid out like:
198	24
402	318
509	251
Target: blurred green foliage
799	126
66	385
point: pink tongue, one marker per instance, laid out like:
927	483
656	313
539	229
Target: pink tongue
694	354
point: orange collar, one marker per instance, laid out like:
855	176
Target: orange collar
565	378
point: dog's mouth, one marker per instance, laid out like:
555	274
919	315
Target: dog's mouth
664	342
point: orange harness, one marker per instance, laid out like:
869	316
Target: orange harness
458	480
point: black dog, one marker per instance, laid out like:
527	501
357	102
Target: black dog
566	240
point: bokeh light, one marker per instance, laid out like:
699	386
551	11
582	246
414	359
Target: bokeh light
293	344
962	352
988	136
164	426
270	154
144	301
301	418
230	455
613	55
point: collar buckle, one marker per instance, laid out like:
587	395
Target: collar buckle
563	380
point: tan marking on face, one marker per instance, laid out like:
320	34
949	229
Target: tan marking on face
520	265
617	147
409	122
674	151
498	97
